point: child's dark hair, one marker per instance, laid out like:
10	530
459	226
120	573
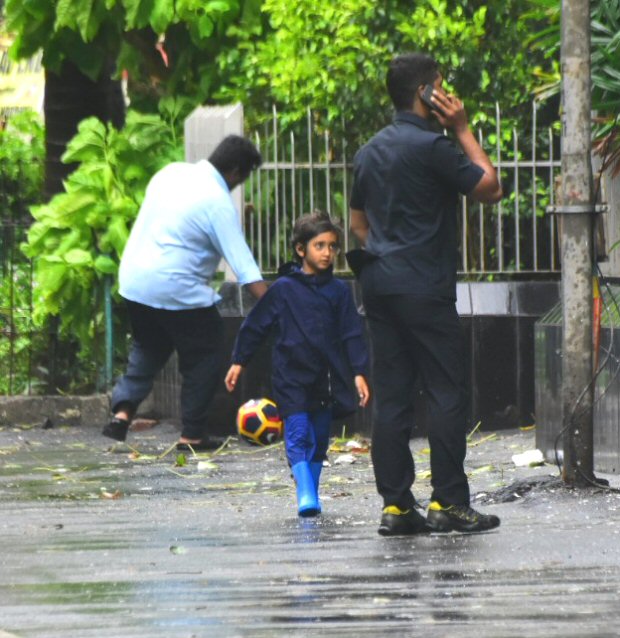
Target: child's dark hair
308	226
405	74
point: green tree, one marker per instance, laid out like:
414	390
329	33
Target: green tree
88	43
605	67
78	237
165	47
296	54
332	57
21	163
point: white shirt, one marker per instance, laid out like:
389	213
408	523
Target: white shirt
186	224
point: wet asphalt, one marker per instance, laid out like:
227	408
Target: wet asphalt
102	540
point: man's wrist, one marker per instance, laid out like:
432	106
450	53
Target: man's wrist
462	129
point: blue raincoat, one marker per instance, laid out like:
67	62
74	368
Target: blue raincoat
319	344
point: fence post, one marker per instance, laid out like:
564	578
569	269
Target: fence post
109	331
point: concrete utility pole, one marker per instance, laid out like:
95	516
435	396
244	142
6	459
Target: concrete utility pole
577	218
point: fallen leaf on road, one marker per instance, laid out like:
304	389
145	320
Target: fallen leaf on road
481	470
203	466
111	495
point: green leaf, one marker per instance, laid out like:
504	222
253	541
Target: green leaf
66	13
116	236
88	143
50	276
217	6
106	265
66	208
78	257
161	15
88	19
138	13
205	26
178	549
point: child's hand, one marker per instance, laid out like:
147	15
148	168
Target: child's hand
232	376
362	390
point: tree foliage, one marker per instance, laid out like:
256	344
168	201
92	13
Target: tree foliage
333	56
167	46
78	237
294	54
605	67
21	176
21	165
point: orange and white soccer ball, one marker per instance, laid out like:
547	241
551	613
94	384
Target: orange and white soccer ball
258	422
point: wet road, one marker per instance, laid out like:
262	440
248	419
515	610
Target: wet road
104	543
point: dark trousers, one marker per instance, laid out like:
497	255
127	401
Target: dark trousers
197	336
417	336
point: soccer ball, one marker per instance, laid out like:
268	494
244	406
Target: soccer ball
258	422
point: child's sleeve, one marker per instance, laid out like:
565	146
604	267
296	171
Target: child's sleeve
255	327
352	334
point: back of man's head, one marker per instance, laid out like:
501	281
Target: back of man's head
405	74
236	152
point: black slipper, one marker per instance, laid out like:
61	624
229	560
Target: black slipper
208	443
116	429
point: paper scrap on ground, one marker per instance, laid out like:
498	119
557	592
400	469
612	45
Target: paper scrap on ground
530	457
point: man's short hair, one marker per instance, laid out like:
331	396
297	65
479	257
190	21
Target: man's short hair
308	226
237	152
405	74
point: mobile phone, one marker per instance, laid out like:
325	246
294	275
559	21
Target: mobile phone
426	98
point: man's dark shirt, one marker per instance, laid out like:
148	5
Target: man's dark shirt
407	179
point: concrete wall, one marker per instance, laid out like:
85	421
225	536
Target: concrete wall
498	321
548	398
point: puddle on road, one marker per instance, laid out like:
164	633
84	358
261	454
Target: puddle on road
81	473
266	604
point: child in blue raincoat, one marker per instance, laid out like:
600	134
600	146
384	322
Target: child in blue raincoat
318	347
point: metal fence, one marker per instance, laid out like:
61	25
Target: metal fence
37	357
16	331
304	171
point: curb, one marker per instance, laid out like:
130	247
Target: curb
50	411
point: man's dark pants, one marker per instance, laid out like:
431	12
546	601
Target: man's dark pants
197	336
416	335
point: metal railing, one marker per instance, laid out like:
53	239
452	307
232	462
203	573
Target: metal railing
308	171
16	330
301	174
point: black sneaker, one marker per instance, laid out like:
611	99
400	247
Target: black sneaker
397	522
459	518
116	429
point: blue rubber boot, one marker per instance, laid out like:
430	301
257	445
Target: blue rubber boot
307	500
315	470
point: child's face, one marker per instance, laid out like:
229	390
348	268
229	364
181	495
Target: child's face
319	254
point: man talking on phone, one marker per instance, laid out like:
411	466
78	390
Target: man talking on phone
404	203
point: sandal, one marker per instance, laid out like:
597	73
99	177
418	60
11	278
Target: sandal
116	429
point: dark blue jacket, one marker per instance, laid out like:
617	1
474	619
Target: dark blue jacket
319	344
